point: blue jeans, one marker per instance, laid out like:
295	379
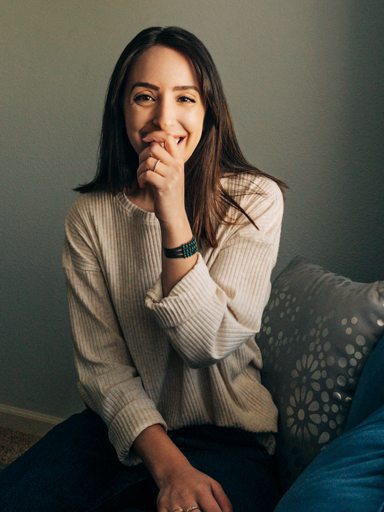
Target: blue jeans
74	468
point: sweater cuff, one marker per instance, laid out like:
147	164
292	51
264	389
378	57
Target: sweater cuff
126	427
186	298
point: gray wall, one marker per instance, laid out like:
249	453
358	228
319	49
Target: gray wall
304	80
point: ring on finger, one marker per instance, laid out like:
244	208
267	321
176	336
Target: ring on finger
154	170
179	509
195	507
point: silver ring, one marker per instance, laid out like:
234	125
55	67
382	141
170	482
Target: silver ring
195	507
156	164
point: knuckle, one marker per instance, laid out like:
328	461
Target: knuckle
201	488
219	487
163	502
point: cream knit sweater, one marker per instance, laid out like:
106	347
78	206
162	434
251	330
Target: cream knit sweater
189	358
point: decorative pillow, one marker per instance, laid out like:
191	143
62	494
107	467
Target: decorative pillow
318	331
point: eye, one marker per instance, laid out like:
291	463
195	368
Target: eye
141	98
186	99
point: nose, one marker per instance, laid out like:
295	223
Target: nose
165	114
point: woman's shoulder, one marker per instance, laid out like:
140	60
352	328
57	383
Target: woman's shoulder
88	206
91	200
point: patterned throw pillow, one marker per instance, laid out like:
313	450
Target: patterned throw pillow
318	332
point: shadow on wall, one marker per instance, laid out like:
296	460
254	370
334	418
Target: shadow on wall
357	243
366	135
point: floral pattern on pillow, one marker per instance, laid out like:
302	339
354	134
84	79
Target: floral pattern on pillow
318	331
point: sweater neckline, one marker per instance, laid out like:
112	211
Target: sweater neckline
134	210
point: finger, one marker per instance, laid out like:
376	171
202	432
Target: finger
207	503
172	147
220	496
157	152
153	178
147	175
193	508
148	152
162	508
152	164
155	136
170	143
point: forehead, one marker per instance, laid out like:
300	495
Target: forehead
164	66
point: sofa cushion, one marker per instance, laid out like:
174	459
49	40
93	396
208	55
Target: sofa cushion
346	476
318	330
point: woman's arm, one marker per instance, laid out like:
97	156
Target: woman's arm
174	269
109	382
218	304
180	484
166	187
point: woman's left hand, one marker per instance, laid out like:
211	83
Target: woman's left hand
167	182
181	486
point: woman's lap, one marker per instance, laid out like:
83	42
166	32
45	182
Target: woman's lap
74	467
243	468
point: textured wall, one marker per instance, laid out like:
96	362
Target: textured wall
304	80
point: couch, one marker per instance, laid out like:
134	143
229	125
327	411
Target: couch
318	331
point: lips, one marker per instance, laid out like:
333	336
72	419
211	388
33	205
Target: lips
179	139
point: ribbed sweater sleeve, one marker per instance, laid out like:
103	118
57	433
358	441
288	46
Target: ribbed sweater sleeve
109	382
210	313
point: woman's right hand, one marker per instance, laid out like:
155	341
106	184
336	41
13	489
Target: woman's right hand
167	183
186	487
181	486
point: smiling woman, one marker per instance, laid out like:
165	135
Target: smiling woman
162	97
167	257
164	116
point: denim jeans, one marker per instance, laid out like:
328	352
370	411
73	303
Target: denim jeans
74	468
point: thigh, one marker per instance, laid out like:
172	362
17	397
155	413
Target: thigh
347	476
247	474
250	485
74	467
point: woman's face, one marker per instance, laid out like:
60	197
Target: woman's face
162	94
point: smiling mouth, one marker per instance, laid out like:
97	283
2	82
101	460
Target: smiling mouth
179	140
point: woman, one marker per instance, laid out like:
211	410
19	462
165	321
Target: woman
163	332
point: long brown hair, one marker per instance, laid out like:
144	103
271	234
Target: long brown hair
217	155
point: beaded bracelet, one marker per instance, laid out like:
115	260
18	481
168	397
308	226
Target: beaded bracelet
183	251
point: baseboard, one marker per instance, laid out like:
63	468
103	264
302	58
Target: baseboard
28	422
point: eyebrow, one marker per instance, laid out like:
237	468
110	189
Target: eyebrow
155	88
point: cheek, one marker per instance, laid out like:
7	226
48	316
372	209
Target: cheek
135	140
132	129
198	126
199	122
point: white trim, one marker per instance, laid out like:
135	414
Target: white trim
28	422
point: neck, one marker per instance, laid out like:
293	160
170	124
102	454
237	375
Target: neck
141	197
